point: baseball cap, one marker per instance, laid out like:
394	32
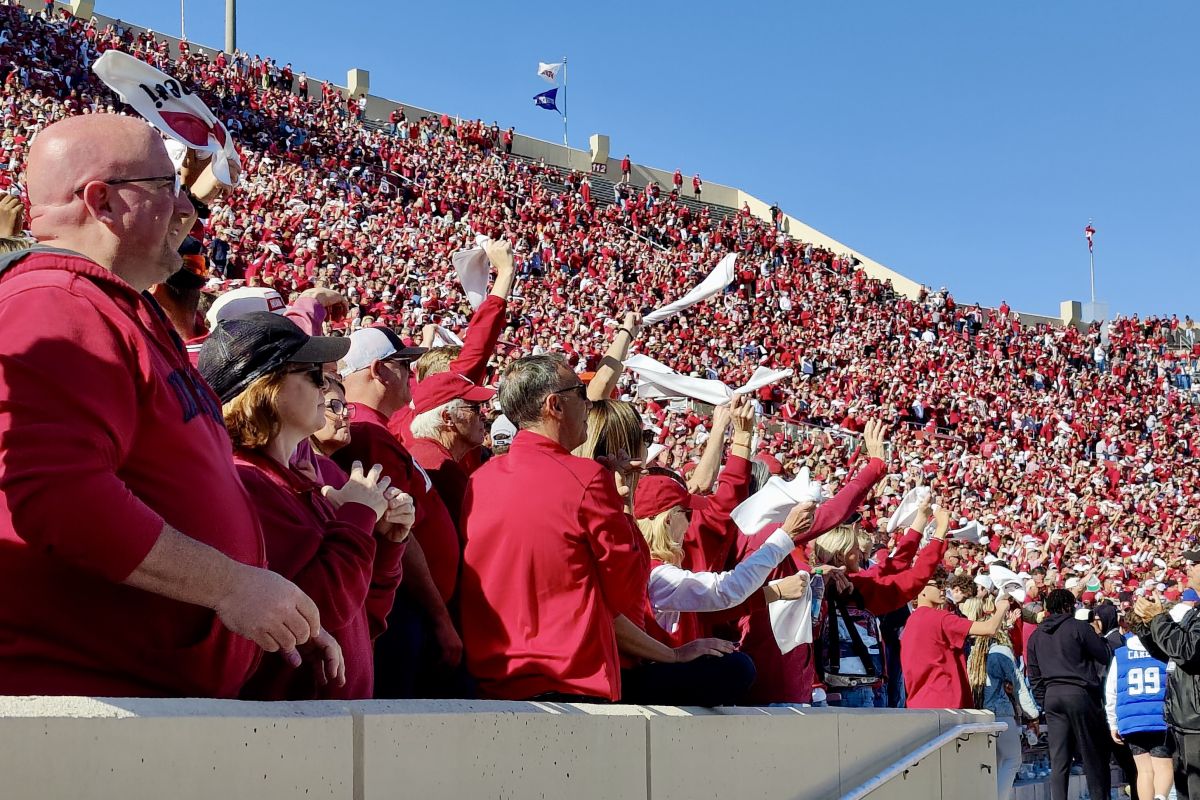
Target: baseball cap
1191	555
368	345
442	387
241	350
1190	596
656	493
241	301
503	430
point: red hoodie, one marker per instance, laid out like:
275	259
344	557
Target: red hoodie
107	432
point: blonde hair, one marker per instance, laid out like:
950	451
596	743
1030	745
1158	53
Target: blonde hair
435	360
613	425
657	533
251	417
975	609
832	546
15	244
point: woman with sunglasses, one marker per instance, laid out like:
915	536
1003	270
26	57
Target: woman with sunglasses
270	379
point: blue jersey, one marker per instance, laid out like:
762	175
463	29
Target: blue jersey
1140	689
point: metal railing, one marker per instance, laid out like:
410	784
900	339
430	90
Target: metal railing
902	765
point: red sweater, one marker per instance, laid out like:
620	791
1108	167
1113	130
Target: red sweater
551	558
107	432
334	557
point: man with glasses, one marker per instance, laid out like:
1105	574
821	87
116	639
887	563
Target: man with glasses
420	653
449	422
119	567
551	557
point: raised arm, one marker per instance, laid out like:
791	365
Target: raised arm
611	365
488	321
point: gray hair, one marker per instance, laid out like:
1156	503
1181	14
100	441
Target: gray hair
524	387
428	424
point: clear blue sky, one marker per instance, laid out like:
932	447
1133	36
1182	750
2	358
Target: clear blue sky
960	143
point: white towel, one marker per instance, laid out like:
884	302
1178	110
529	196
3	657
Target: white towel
721	276
171	107
473	268
791	621
658	380
771	503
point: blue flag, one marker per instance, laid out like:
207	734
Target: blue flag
546	99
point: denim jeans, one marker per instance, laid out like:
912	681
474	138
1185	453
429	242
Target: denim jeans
858	697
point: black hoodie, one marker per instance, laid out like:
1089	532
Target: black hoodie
1064	651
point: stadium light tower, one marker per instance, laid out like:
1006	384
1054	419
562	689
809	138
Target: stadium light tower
230	25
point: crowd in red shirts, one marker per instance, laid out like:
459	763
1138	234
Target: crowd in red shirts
1073	447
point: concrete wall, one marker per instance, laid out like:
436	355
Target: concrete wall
54	748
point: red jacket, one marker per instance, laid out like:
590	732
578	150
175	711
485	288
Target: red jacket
107	432
336	559
551	558
371	443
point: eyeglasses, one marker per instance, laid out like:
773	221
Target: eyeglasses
315	373
476	408
338	408
173	180
579	388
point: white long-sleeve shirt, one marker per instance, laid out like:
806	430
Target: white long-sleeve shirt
674	589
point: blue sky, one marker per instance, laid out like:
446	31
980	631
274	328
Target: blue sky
963	144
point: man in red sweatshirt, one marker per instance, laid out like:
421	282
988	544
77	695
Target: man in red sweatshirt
120	575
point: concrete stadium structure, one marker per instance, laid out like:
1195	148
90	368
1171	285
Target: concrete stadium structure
62	747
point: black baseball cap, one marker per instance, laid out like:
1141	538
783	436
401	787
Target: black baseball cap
1191	555
242	349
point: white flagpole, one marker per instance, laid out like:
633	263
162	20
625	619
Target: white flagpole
1092	266
564	101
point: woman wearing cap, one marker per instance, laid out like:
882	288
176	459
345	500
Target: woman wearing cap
269	377
999	685
662	507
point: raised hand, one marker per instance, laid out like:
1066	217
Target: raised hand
874	441
799	520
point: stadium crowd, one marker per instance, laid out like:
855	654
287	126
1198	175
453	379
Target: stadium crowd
374	532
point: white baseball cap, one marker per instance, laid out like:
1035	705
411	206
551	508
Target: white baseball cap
368	345
244	301
503	430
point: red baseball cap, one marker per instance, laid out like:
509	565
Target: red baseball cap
442	387
656	493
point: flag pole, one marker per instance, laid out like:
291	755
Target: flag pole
1092	266
564	102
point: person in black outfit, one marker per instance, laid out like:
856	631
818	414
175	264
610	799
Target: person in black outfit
1176	637
1063	663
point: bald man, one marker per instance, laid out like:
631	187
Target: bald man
131	560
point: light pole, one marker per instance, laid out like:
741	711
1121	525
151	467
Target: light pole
230	25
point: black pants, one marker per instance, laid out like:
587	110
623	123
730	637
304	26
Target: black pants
1075	726
707	681
1124	758
407	659
1187	764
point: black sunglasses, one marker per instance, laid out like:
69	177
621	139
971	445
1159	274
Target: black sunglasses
315	373
580	388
